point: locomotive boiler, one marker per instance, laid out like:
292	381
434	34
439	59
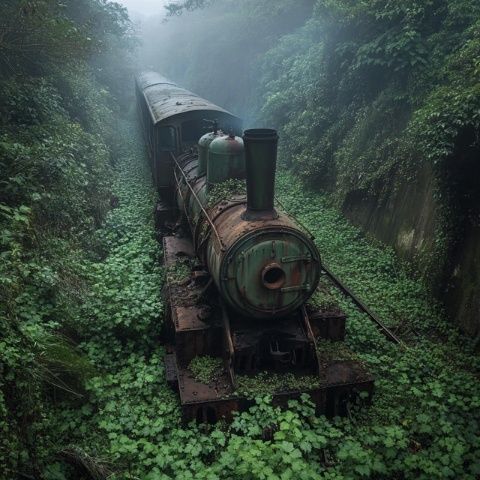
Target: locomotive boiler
262	263
240	270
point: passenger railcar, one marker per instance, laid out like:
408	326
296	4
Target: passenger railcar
172	121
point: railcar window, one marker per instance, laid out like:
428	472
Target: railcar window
192	131
167	139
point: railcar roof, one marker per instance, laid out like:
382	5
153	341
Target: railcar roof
165	99
148	79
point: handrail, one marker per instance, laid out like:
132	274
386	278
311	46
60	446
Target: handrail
181	195
195	196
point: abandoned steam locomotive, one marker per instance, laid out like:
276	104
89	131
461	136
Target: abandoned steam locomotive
241	270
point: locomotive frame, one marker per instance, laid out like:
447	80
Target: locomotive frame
254	321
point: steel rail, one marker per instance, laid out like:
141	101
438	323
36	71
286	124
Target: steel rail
310	336
384	329
207	217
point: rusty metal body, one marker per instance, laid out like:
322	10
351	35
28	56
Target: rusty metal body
252	267
237	250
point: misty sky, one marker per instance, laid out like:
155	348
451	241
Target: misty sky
145	7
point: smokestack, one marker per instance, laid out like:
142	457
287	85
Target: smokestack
261	161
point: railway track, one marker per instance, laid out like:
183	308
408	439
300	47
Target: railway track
361	306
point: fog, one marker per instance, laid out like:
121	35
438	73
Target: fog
143	8
216	51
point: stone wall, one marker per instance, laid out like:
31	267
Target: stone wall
407	219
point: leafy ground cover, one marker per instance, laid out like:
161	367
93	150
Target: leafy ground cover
57	149
424	421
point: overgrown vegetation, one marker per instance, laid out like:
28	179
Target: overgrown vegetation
359	91
82	382
268	383
372	97
333	351
206	369
57	130
225	191
179	272
423	422
393	69
127	404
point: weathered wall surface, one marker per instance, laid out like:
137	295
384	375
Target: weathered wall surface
407	219
462	288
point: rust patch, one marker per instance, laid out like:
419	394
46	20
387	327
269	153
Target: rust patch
328	325
175	248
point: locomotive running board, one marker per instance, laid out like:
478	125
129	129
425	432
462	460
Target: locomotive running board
197	327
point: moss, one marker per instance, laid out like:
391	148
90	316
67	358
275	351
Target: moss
267	383
226	190
179	272
206	369
333	351
323	299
